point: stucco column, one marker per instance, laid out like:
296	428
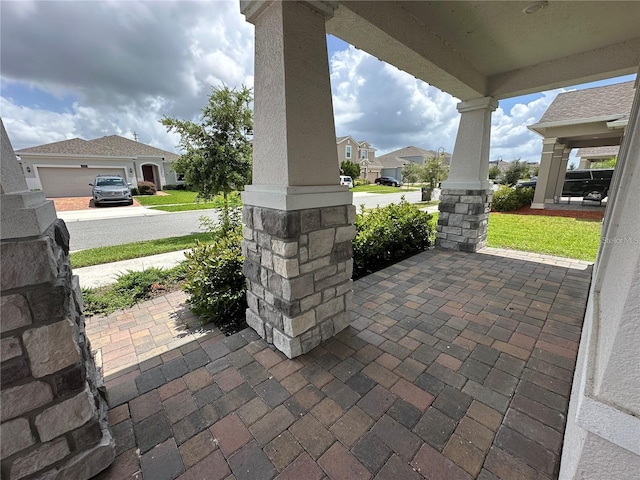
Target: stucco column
602	437
466	195
298	220
562	172
551	158
54	413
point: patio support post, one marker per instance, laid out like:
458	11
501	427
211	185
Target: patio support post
551	159
562	171
298	221
466	195
54	411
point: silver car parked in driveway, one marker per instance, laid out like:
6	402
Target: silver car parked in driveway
110	189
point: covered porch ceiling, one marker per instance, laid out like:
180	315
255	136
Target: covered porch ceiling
474	49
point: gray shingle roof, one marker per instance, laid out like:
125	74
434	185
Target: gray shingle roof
610	151
594	102
131	147
75	146
111	146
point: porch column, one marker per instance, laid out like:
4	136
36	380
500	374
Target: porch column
552	153
298	220
562	171
54	414
466	195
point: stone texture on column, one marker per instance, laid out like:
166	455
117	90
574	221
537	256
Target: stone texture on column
298	266
462	223
465	200
53	412
51	389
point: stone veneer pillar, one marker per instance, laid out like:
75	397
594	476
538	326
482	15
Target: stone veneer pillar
465	200
298	220
53	408
298	266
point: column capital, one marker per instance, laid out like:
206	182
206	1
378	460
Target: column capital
488	103
252	9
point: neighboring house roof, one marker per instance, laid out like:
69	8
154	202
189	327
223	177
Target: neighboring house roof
111	146
132	147
598	152
404	154
75	146
391	162
609	101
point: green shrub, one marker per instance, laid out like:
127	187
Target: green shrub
507	199
215	283
134	191
146	188
178	186
388	234
360	181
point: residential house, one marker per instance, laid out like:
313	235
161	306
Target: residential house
362	153
65	169
393	163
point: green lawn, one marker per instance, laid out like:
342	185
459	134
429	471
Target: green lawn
173	197
116	253
563	237
182	200
382	189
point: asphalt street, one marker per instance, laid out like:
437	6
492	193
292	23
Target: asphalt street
91	233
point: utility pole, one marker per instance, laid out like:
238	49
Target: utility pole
135	136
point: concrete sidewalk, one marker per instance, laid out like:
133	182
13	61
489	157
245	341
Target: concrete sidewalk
102	213
100	275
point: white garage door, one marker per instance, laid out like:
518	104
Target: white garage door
72	182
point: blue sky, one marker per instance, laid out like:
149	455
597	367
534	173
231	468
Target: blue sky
163	60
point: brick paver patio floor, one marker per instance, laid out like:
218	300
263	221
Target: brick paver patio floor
455	366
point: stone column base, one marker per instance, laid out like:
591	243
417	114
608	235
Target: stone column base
298	266
462	223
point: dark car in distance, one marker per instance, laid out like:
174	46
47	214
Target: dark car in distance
390	181
588	184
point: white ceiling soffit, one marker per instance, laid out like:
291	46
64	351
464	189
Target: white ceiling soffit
476	48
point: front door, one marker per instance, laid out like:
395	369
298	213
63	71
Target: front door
147	174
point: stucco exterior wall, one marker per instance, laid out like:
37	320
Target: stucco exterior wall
602	438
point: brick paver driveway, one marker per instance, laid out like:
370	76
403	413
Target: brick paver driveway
456	366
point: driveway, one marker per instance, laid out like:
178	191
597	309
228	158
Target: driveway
69	204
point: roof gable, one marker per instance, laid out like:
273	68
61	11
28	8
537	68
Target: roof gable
610	100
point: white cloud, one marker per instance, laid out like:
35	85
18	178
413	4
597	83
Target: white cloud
376	102
510	137
124	64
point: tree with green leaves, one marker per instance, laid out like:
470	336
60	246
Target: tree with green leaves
610	163
217	150
516	171
494	171
436	170
350	169
412	172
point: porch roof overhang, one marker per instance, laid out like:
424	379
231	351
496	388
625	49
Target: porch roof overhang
457	47
582	133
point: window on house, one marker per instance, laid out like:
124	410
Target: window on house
347	152
363	153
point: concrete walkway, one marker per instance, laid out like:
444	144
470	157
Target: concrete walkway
456	366
107	273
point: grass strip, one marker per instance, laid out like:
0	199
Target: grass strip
127	251
560	236
382	189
